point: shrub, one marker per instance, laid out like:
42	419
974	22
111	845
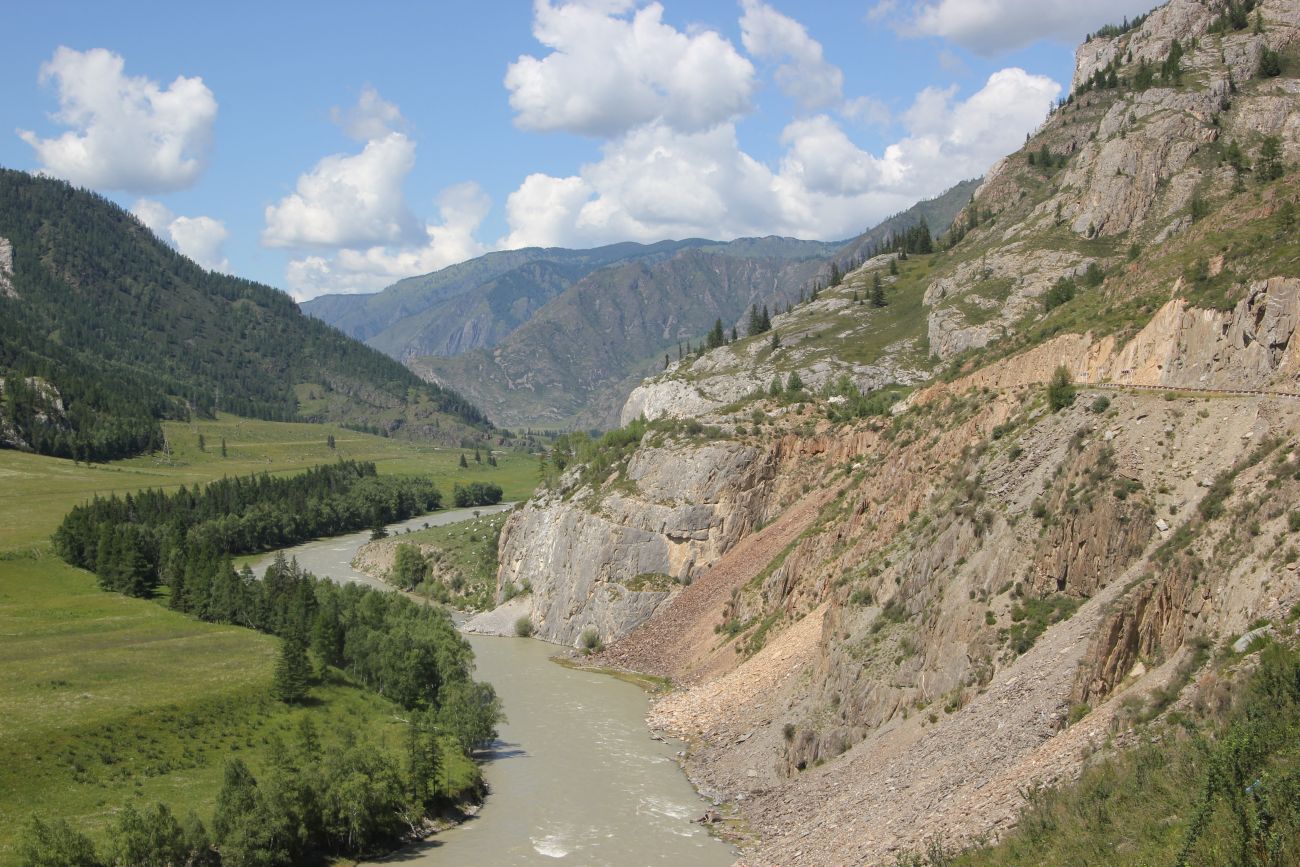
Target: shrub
1100	405
590	640
1060	391
524	627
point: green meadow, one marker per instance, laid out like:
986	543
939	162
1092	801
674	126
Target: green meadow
107	700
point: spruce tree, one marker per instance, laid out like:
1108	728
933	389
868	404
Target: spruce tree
203	445
464	464
766	320
223	447
893	267
878	291
329	442
292	672
776	340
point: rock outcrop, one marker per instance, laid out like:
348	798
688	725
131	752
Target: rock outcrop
609	562
7	270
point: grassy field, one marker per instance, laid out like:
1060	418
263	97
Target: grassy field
38	491
108	700
465	560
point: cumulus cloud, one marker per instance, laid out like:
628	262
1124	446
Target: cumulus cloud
991	27
125	133
608	72
461	208
657	182
803	75
372	117
349	200
200	238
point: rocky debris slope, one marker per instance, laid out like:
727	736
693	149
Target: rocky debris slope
676	642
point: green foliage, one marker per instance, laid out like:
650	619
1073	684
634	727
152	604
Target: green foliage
759	323
292	672
1031	617
134	542
476	494
1223	791
1269	165
1270	63
130	332
1061	291
1060	391
1100	405
596	457
524	626
877	291
590	641
55	844
794	383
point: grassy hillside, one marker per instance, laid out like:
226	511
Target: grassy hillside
109	700
104	330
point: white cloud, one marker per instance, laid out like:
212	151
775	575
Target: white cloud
869	110
200	238
371	118
991	27
804	76
608	73
349	200
126	133
656	182
462	209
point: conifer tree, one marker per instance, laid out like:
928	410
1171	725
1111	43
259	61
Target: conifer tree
877	291
223	447
203	445
464	464
893	267
292	672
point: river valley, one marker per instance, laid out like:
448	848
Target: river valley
575	777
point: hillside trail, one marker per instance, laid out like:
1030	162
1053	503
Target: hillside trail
964	773
679	642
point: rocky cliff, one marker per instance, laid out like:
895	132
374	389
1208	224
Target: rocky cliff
904	614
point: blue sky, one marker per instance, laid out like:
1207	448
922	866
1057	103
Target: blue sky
333	147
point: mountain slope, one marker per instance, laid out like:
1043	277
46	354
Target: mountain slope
891	615
574	361
473	304
104	330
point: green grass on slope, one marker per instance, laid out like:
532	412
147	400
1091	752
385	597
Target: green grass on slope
108	701
38	491
465	560
1210	792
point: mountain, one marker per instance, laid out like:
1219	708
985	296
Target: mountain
1016	547
473	304
937	213
104	330
573	362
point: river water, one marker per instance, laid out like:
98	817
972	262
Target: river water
575	777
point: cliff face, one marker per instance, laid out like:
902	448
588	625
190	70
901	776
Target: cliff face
609	561
901	617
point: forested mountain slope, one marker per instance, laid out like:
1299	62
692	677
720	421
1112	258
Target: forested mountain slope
104	330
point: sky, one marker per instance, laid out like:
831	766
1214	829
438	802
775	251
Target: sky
330	147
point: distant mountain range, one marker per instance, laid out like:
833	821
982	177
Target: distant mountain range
556	338
104	330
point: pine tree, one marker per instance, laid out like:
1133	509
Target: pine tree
329	442
203	445
223	447
734	337
878	292
292	672
794	383
716	335
464	464
893	267
766	320
478	458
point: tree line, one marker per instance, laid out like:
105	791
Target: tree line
136	542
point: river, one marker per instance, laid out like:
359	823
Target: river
575	777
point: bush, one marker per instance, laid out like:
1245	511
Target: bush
590	640
1060	391
1100	405
476	494
524	627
